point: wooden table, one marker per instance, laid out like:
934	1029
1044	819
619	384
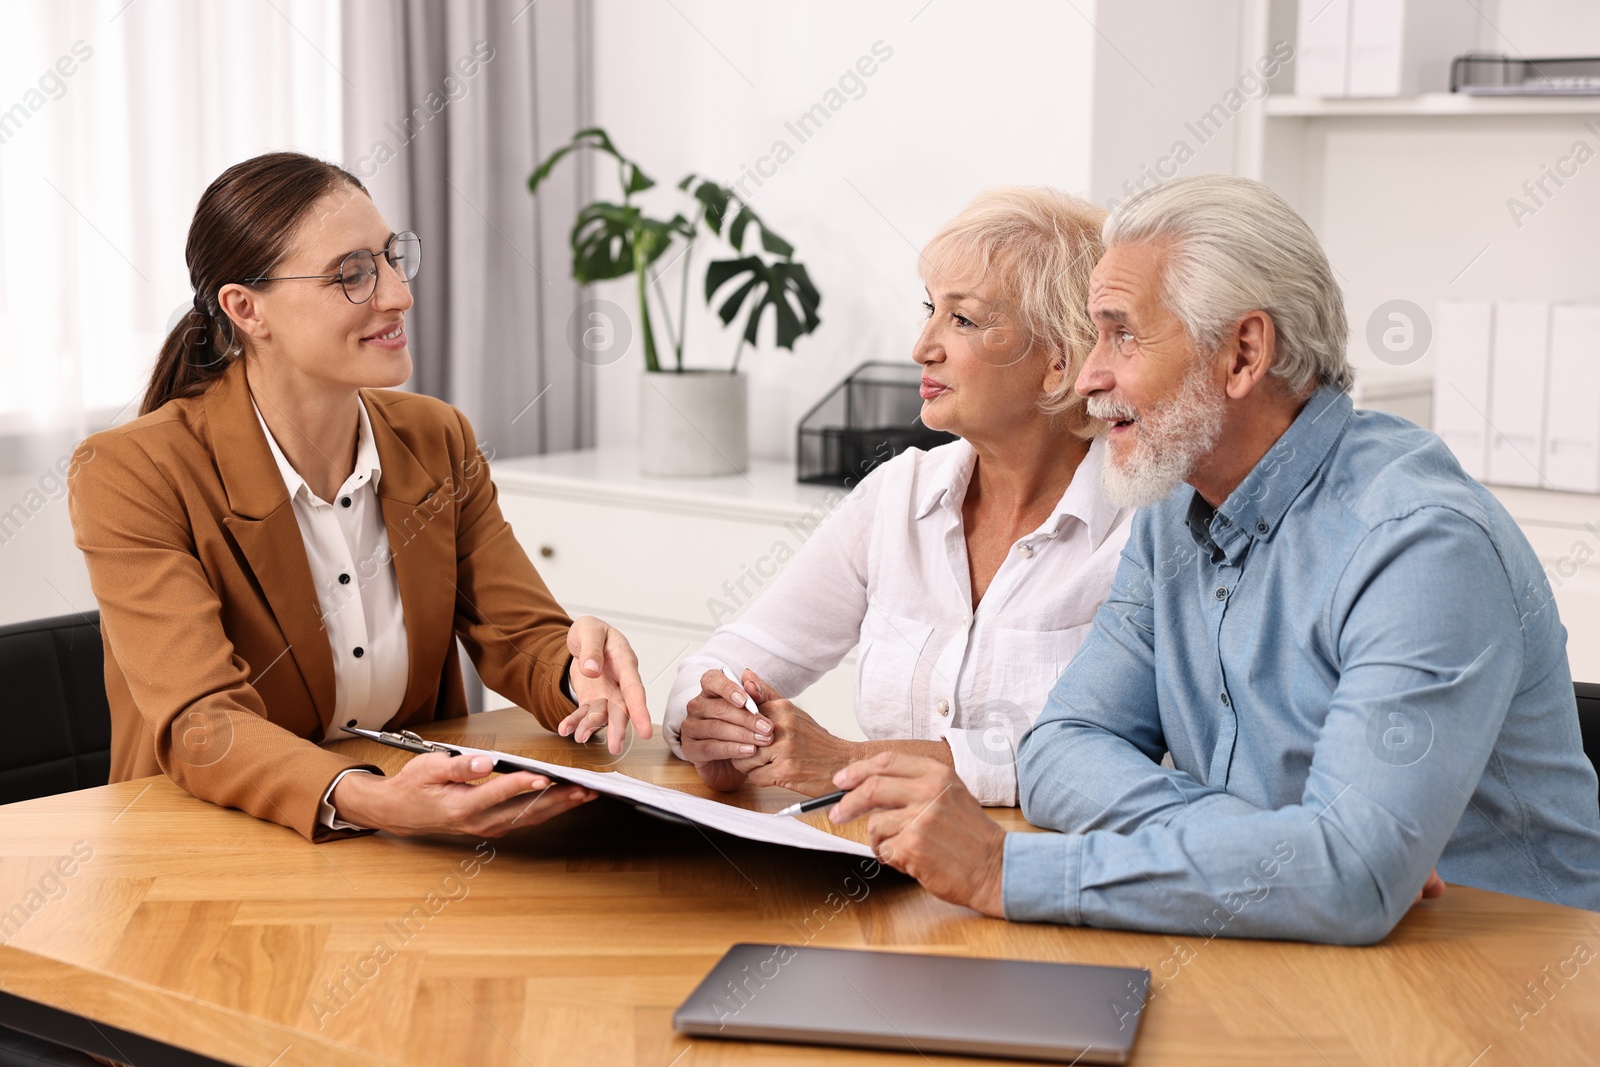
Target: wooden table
210	931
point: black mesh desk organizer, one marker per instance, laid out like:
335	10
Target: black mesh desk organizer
867	419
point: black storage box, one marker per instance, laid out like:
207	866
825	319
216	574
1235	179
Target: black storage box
869	418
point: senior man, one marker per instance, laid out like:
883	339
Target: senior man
1344	642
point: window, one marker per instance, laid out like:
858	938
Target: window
114	117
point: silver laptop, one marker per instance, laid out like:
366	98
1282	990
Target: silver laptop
890	1000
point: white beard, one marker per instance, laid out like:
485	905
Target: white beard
1168	441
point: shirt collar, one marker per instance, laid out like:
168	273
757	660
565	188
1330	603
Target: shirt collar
1083	500
368	468
948	485
1255	508
1086	500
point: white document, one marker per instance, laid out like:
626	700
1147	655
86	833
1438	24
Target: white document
1461	381
1321	47
751	825
1517	392
1572	407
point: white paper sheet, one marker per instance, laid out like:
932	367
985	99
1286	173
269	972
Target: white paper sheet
741	822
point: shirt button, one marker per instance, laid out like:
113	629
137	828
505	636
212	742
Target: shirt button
359	652
344	579
1261	526
1224	699
944	707
1026	550
345	501
1222	592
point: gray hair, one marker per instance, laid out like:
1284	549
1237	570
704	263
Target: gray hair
1234	246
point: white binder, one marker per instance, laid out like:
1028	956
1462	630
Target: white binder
1519	371
1464	332
1572	405
1321	47
1404	47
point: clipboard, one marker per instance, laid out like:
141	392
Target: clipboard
504	763
658	801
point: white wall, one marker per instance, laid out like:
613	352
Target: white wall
972	96
1151	90
41	571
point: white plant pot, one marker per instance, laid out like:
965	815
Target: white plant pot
694	424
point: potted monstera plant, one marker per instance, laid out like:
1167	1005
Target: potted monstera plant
691	422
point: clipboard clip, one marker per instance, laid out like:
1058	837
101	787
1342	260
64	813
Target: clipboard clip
405	739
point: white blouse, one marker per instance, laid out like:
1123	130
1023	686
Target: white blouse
888	570
358	595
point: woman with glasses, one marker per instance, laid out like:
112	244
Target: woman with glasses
282	546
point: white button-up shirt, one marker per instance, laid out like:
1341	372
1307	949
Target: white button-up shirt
358	595
888	570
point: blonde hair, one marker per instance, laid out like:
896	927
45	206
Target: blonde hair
1039	245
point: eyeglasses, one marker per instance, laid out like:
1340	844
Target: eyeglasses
358	272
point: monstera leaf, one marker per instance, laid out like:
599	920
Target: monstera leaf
713	196
613	240
717	200
783	286
633	179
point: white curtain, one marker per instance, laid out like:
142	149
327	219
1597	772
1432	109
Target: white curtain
452	108
114	117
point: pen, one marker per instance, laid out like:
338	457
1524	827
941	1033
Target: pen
749	703
814	803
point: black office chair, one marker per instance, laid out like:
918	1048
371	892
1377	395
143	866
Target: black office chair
58	738
1589	719
58	724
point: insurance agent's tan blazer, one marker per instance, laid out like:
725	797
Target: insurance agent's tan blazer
217	667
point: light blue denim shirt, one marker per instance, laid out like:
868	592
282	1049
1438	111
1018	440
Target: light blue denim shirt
1358	669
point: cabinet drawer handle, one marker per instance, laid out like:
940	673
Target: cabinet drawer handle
546	551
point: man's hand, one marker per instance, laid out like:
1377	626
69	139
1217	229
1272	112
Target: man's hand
923	821
801	755
431	795
720	729
605	679
1433	887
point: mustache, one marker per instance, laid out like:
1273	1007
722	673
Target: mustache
1107	410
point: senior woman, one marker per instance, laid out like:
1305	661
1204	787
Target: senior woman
280	546
970	574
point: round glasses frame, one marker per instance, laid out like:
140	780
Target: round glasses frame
358	271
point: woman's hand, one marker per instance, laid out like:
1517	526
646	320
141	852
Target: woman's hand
801	755
432	795
720	729
605	679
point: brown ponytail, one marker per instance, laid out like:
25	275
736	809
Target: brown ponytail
241	229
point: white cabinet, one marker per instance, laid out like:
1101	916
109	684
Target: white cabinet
667	560
1564	529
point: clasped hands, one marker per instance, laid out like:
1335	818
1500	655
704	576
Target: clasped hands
729	745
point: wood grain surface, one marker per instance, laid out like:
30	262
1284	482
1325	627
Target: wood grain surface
138	906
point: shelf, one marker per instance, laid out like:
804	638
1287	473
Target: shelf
1428	105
